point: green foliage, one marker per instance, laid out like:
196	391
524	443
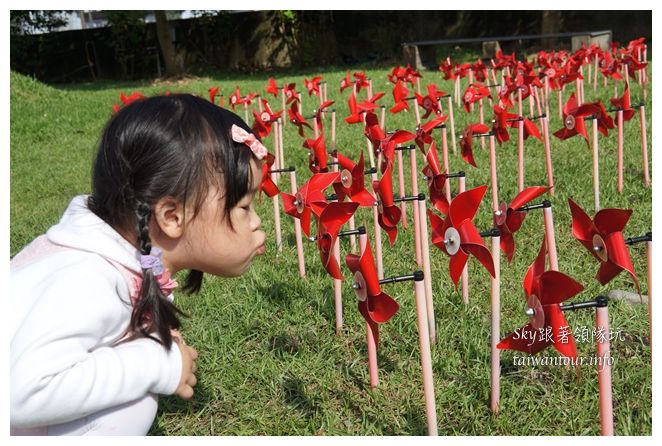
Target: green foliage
27	22
128	33
270	361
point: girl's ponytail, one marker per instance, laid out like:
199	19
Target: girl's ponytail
152	312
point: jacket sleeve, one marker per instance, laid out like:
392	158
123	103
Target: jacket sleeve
64	365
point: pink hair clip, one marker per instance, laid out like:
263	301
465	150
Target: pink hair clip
242	136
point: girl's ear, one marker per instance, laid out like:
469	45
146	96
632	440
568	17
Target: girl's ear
169	216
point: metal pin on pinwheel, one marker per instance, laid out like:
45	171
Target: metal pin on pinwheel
545	291
509	218
331	219
458	237
309	198
603	237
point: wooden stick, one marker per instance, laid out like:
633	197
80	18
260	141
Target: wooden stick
401	183
282	94
444	152
482	121
548	154
619	123
520	154
649	265
644	146
450	114
596	170
550	238
426	358
424	235
604	372
297	229
495	303
417	217
493	175
465	271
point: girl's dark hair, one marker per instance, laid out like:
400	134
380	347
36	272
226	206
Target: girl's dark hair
177	146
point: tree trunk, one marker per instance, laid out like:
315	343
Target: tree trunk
551	23
173	65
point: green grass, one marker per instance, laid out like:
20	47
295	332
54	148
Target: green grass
270	362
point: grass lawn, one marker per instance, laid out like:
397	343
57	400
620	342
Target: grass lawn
270	362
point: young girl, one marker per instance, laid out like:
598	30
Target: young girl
92	313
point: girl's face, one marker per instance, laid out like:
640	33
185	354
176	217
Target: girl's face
210	245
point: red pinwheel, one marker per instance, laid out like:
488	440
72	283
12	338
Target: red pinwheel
430	102
436	180
573	119
360	80
508	219
480	71
309	198
318	114
375	306
266	184
423	132
352	181
400	93
397	74
331	219
603	237
446	67
346	82
271	87
384	143
545	291
290	93
411	74
126	100
317	157
235	98
389	213
503	119
605	122
313	85
297	119
457	236
355	109
264	121
213	92
466	141
624	103
473	94
610	67
633	64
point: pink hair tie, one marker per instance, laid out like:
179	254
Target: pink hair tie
242	136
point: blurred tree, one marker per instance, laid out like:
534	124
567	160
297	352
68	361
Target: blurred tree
173	60
27	22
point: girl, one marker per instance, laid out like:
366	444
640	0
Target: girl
92	312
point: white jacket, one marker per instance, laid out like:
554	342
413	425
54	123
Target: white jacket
68	309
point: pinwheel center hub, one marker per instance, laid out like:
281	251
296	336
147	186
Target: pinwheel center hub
360	287
299	202
452	241
346	178
599	248
265	116
551	72
535	312
288	93
468	96
427	103
501	214
380	205
569	122
525	89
